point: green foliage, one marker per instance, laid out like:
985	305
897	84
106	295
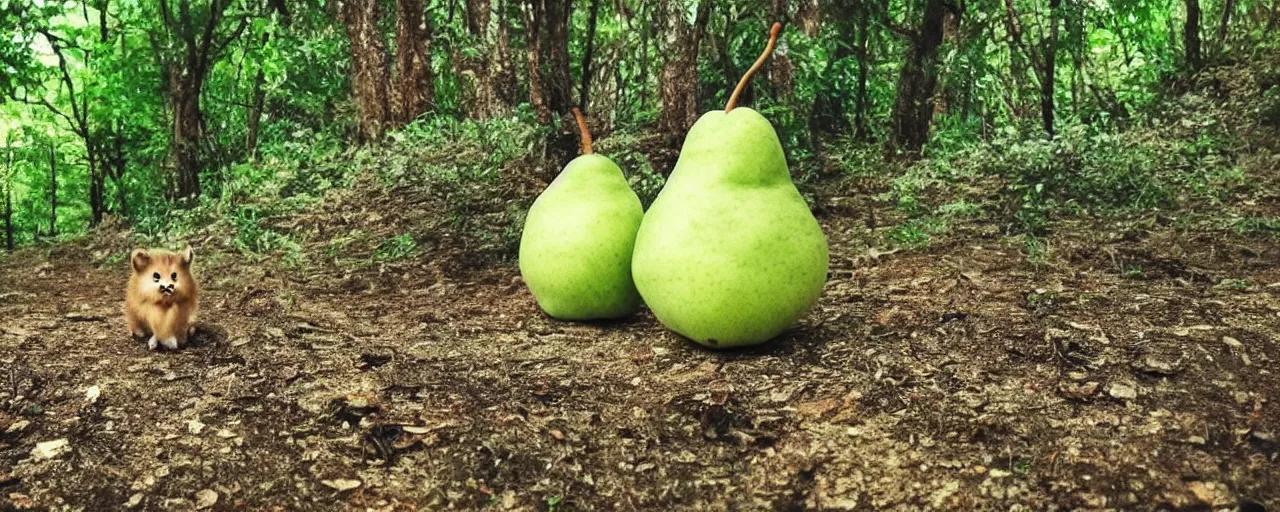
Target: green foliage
1135	128
396	248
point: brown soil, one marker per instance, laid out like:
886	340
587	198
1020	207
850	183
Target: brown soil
1136	370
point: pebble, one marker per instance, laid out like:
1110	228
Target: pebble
51	449
206	498
341	484
1123	392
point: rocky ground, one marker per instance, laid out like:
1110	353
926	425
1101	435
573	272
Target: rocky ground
1136	369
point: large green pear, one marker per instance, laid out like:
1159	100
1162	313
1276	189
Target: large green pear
575	251
729	254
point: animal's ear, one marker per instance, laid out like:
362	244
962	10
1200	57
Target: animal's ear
140	259
188	256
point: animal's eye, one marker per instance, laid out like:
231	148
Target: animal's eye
173	276
156	276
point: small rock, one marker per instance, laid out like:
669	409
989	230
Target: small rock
1157	366
92	394
195	427
341	484
17	426
134	501
240	342
51	449
1123	391
999	473
83	317
1232	342
226	434
1080	391
1203	492
206	498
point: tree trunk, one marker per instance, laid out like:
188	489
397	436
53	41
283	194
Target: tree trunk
861	101
1191	35
184	95
585	94
118	164
415	85
97	187
506	87
913	106
782	71
481	102
1273	17
253	118
535	17
828	115
1223	25
368	67
1048	76
679	76
1018	58
556	45
8	201
53	192
1076	27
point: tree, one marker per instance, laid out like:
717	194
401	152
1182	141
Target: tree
1227	8
1048	70
194	38
585	91
679	45
1043	59
913	106
369	67
53	191
415	84
6	189
547	30
1191	35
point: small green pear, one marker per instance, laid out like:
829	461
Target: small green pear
729	254
575	250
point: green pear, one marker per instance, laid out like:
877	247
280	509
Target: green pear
729	254
575	250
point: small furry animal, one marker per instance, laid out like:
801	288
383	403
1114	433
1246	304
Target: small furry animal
161	298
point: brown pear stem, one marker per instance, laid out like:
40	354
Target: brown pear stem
742	84
583	132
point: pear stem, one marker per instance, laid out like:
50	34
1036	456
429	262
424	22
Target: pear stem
742	84
583	132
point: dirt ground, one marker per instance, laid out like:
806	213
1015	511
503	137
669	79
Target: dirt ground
1136	370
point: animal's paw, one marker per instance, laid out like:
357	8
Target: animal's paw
170	343
151	343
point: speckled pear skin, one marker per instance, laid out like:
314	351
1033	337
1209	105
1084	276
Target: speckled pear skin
575	250
729	254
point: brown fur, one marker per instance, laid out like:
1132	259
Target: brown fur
169	318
